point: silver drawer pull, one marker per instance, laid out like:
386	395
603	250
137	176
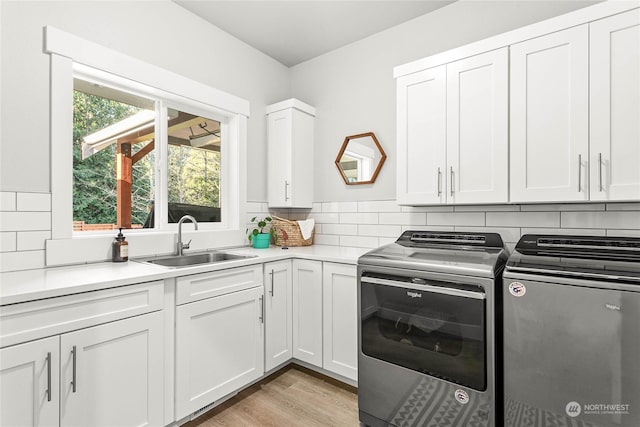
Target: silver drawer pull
73	375
452	176
49	376
579	172
600	170
439	182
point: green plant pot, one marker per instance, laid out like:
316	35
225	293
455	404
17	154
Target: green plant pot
261	241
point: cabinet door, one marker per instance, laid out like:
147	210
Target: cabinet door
421	122
112	374
280	139
278	311
615	107
549	117
477	128
29	373
307	311
340	320
219	348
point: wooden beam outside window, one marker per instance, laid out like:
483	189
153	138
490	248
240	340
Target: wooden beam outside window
124	181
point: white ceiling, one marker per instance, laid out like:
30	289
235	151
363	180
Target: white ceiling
295	31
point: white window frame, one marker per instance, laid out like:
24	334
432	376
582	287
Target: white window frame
73	56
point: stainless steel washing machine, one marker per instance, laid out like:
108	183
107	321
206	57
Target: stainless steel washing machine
572	332
427	330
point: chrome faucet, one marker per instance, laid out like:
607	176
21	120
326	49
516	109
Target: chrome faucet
180	246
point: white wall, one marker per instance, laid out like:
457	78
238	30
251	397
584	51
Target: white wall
157	32
353	88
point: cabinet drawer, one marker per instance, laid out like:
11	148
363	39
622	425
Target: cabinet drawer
207	285
36	319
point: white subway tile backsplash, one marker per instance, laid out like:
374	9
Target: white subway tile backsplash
256	207
8	241
427	228
523	219
340	207
351	229
487	208
403	218
359	241
359	218
25	260
607	219
427	208
32	240
325	239
456	218
379	230
7	201
567	231
316	207
623	207
25	221
379	206
34	202
567	207
325	218
623	233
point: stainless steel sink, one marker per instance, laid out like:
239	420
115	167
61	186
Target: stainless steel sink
194	259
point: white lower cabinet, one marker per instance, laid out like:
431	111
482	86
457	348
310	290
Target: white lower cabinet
29	375
106	375
307	311
340	319
219	347
112	374
102	374
278	310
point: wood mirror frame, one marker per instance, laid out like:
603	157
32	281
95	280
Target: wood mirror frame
376	169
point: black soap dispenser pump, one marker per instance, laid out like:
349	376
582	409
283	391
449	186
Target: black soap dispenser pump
120	248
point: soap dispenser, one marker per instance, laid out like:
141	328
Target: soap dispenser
120	248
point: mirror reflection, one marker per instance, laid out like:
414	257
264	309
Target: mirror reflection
360	159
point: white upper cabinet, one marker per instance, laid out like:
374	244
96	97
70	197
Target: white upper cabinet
421	144
290	154
549	117
452	132
477	128
615	107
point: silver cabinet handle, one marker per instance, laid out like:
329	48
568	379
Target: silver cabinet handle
600	170
439	182
73	375
286	190
452	176
49	376
579	172
272	286
261	309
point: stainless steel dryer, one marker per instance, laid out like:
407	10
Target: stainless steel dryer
572	332
427	334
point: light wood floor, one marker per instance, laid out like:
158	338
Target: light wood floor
293	396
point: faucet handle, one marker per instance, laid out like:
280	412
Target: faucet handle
186	245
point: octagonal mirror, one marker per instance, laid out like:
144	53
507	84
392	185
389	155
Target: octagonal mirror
360	159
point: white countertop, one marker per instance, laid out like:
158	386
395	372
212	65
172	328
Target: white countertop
29	285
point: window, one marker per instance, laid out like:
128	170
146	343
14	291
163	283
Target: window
114	160
186	143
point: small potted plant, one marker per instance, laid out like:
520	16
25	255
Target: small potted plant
260	233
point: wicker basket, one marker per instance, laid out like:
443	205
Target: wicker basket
288	233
